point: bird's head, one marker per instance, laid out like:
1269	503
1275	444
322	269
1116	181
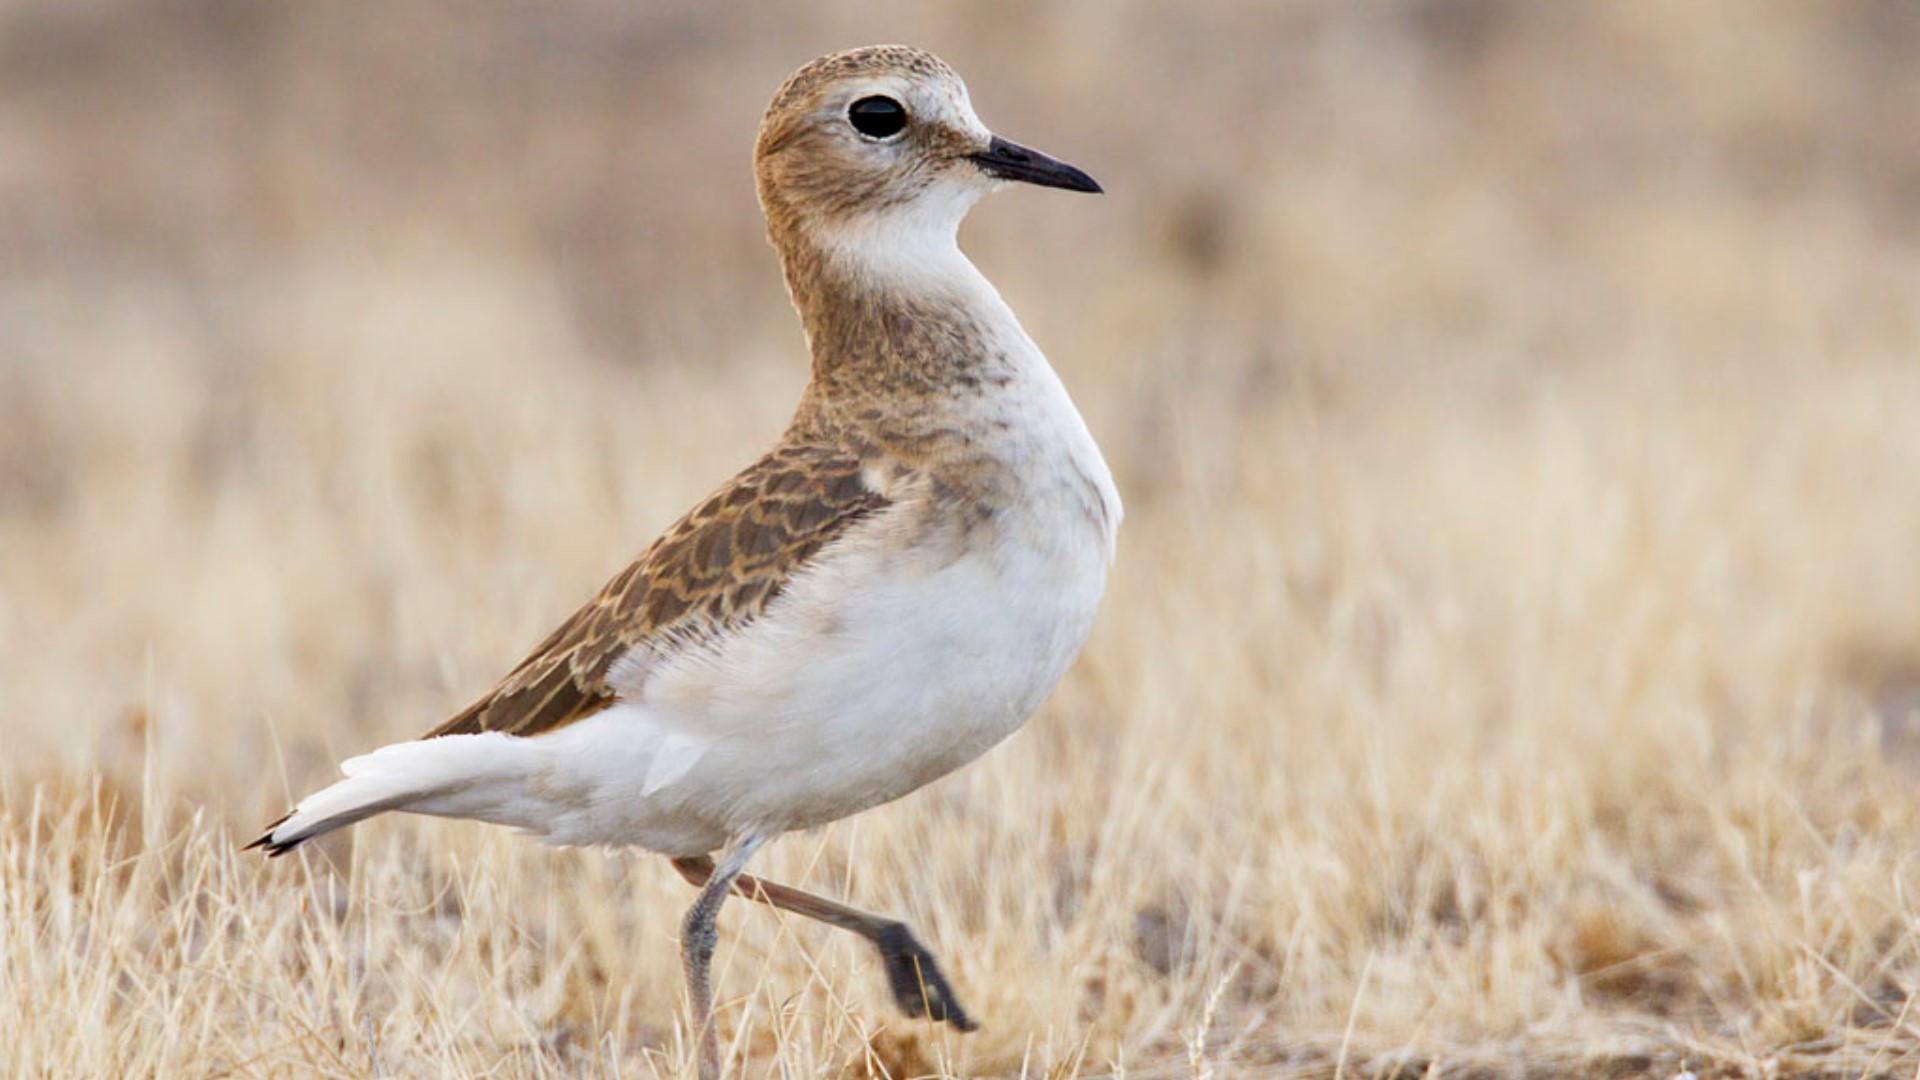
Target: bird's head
881	145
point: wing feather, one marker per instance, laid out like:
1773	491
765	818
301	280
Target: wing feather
714	571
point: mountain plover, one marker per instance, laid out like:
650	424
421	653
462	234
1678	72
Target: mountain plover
884	596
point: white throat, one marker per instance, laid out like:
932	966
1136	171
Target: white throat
913	247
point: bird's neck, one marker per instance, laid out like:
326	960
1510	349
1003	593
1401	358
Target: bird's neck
892	309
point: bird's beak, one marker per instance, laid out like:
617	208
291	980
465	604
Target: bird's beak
1011	161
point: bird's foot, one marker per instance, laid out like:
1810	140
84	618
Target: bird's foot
918	985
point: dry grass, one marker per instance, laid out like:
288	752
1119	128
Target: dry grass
1513	659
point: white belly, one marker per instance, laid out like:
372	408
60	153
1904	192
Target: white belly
914	676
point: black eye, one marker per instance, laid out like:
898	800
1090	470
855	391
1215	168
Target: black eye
877	117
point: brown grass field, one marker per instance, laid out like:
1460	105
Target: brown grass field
1512	666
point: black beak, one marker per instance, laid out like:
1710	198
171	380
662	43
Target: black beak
1011	161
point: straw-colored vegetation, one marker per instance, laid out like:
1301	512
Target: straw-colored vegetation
1511	667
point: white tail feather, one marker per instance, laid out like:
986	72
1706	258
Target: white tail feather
471	776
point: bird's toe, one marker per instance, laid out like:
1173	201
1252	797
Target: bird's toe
919	987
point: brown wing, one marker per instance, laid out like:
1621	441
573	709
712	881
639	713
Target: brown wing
715	570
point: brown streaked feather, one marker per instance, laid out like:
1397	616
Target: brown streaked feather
714	571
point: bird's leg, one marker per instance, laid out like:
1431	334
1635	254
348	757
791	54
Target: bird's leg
698	936
918	985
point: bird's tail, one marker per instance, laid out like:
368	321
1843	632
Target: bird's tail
478	776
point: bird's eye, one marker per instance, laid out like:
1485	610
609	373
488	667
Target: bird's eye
877	117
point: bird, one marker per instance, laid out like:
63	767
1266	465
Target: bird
889	592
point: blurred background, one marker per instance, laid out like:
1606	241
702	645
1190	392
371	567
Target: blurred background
1517	407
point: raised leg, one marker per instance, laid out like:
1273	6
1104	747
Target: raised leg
698	936
919	987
